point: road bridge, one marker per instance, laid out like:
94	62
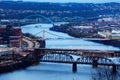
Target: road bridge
79	52
89	57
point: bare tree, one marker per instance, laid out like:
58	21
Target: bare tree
105	73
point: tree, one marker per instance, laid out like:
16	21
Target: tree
105	73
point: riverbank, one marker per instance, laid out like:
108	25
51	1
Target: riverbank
17	58
115	43
76	34
15	64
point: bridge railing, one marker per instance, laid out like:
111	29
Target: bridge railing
97	53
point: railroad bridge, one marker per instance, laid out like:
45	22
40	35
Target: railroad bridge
89	57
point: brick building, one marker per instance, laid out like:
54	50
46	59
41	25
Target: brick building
10	36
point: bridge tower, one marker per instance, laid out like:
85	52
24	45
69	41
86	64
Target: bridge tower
42	41
43	38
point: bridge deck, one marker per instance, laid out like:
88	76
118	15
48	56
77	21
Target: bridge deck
80	52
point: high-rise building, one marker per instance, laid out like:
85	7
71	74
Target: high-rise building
10	36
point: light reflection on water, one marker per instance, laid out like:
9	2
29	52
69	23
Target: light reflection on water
50	71
77	44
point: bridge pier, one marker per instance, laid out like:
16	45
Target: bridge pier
95	63
114	69
74	67
32	58
42	43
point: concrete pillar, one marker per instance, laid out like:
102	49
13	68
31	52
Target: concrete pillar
42	43
74	67
114	69
95	63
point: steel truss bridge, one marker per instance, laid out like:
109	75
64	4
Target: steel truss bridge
89	57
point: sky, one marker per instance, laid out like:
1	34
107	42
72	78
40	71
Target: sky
78	1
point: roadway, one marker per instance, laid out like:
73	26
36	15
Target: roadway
31	43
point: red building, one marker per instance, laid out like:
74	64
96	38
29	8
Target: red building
10	36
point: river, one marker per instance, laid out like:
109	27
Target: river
53	71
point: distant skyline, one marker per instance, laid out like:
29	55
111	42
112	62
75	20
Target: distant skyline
77	1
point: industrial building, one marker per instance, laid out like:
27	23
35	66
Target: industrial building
115	35
10	36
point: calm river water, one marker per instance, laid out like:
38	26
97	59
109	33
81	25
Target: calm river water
51	71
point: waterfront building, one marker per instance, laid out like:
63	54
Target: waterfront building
110	35
10	36
83	27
